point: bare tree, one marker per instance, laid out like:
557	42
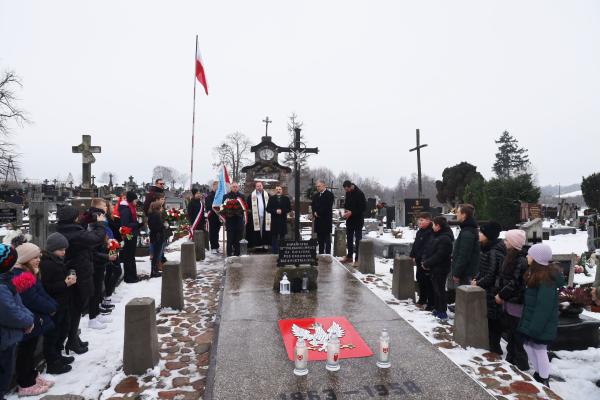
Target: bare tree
288	158
9	113
105	177
167	174
233	152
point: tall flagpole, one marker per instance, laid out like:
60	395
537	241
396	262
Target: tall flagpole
193	117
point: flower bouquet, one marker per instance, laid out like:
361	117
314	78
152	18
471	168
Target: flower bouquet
126	232
173	216
573	300
113	247
233	208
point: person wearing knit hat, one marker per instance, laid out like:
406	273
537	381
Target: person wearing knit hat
37	300
15	318
67	214
56	241
491	258
539	322
510	288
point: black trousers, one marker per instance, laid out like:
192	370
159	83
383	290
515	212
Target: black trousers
78	304
7	367
438	290
214	226
157	248
324	240
96	298
495	334
425	287
54	339
113	273
25	367
353	232
276	237
515	353
235	232
128	257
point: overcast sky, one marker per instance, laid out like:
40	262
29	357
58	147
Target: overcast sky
362	75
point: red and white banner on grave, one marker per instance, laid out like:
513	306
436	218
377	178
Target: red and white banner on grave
316	331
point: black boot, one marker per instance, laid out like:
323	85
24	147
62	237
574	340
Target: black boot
75	348
67	360
155	273
58	368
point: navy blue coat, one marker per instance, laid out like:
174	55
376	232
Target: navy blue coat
14	316
36	300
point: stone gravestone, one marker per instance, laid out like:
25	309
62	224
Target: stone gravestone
171	292
533	230
366	257
140	347
339	242
400	220
403	279
412	209
294	259
87	159
188	260
11	213
390	216
470	320
200	245
38	222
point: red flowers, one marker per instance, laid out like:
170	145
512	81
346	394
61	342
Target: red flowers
24	281
113	247
126	232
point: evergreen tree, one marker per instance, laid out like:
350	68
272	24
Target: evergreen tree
475	194
504	197
590	187
451	189
511	160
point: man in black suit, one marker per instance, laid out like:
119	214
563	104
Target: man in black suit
322	208
279	206
355	205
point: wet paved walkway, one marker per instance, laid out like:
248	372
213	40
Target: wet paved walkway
251	361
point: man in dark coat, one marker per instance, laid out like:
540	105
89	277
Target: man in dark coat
159	187
437	258
322	209
234	225
214	222
279	206
465	256
194	209
128	212
258	229
423	237
79	257
355	205
493	251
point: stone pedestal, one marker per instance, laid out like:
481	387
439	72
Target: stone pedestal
294	275
403	279
188	260
366	257
200	245
140	347
470	320
339	242
576	333
171	293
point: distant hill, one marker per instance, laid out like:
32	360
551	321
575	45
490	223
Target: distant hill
552	190
571	193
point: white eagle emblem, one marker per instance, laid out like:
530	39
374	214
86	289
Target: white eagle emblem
319	339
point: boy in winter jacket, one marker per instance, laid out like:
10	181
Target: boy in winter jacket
15	318
437	258
57	281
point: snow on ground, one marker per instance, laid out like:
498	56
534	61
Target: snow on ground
579	369
567	244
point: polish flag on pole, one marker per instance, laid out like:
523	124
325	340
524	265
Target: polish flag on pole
200	71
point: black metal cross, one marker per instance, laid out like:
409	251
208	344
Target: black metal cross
267	121
418	149
298	149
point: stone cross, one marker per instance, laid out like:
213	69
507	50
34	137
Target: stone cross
87	159
418	149
267	121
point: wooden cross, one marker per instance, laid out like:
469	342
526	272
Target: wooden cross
297	150
418	149
87	159
267	121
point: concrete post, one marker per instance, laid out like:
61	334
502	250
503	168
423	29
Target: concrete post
199	239
140	347
403	279
470	320
171	293
366	257
339	242
188	260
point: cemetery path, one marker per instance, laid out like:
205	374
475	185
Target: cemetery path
251	361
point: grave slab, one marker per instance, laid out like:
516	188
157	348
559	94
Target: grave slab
251	361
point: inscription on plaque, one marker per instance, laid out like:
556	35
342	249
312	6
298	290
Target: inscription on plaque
297	252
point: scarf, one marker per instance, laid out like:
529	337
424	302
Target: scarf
255	216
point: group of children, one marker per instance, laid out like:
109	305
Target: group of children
521	284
